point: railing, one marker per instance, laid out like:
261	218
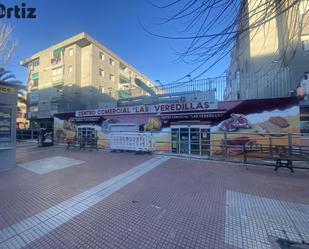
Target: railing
276	83
243	147
26	134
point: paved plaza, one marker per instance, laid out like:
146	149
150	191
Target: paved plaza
58	198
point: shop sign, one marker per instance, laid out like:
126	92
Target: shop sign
192	116
7	90
160	108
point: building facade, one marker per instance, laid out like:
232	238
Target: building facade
271	52
203	128
78	73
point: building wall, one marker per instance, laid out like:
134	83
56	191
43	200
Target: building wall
74	81
269	60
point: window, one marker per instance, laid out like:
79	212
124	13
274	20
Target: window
101	72
57	74
110	91
71	51
34	81
57	56
70	69
34	63
111	77
111	62
123	67
101	89
102	56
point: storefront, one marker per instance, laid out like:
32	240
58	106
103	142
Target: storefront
196	128
190	139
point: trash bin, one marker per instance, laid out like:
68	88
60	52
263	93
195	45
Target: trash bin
45	138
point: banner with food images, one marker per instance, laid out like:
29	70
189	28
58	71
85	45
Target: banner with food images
256	131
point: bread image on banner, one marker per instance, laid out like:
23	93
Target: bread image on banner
153	124
279	121
274	125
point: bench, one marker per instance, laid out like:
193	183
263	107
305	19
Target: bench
282	155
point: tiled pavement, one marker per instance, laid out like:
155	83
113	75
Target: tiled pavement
171	203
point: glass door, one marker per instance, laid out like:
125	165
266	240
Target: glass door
184	141
191	139
175	140
205	142
195	141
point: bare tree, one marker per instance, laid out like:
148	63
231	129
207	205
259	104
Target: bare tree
7	43
211	28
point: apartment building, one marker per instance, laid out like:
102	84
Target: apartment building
271	54
75	74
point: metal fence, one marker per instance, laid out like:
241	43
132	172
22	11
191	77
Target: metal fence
275	83
236	147
26	134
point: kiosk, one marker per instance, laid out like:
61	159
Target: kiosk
8	106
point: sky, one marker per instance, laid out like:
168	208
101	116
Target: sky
117	24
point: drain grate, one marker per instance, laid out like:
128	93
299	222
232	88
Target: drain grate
287	244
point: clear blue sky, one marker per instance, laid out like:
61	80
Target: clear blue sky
116	24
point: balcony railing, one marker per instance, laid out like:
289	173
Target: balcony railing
124	77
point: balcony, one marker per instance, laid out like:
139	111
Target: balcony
124	77
124	94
